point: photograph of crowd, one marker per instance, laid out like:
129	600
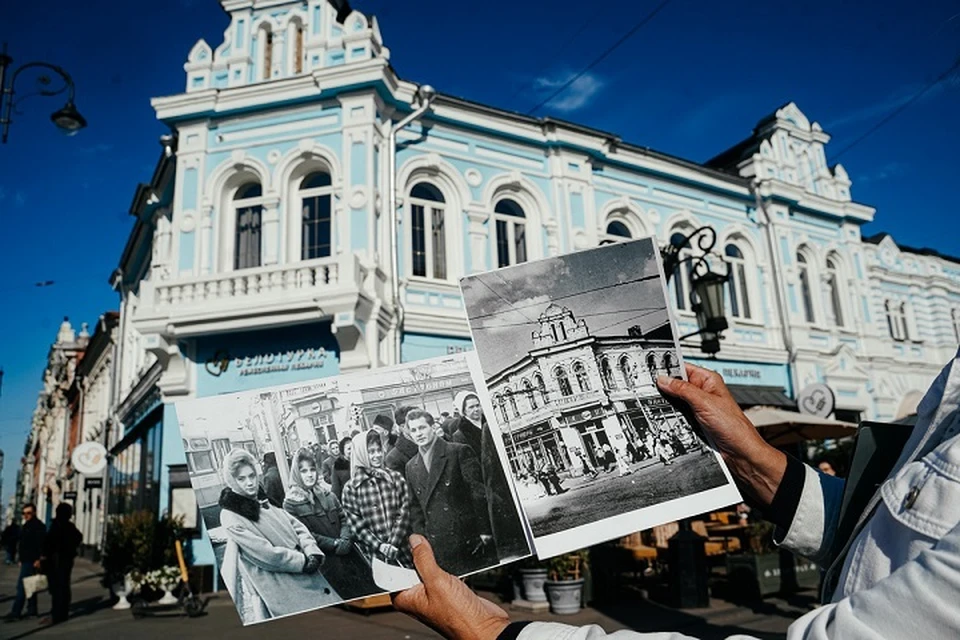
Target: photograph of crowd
302	487
570	350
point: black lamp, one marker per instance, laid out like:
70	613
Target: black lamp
68	119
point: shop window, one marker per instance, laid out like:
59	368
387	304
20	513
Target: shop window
580	372
248	205
428	232
806	295
315	195
511	233
563	381
833	291
737	288
896	320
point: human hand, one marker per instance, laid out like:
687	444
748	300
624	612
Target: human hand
445	604
312	563
36	564
343	547
754	462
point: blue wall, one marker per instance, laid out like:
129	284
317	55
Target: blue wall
419	346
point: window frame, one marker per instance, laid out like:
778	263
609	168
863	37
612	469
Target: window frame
302	194
835	293
239	206
429	233
511	222
804	276
738	285
680	280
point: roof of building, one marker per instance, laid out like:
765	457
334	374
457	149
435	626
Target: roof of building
877	238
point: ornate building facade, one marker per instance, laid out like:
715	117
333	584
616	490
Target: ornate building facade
263	250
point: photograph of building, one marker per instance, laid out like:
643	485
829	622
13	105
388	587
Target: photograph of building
570	349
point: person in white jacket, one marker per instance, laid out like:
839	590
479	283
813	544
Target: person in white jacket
897	576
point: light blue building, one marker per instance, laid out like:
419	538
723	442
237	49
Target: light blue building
262	250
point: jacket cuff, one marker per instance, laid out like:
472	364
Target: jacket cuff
513	630
807	534
784	505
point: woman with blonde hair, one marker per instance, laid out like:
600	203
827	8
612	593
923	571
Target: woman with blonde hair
377	502
271	562
310	500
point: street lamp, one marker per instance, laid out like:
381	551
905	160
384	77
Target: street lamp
67	118
706	286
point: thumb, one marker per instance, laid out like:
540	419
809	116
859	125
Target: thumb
424	559
691	393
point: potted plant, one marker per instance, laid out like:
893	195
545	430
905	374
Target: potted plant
533	574
767	569
164	579
137	544
564	586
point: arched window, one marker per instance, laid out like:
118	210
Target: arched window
833	287
528	391
737	284
248	206
266	52
682	275
616	232
806	296
667	362
295	44
427	212
897	320
499	407
652	365
513	403
541	387
316	193
563	381
511	229
580	372
626	370
607	373
955	316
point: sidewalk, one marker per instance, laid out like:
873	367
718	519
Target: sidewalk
92	617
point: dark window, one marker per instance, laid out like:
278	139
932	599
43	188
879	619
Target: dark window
249	213
618	229
317	224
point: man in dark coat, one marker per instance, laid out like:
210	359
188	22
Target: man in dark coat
508	535
272	484
403	451
31	546
59	551
449	506
9	541
469	424
326	467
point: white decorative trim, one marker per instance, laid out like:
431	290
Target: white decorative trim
474	177
188	221
358	199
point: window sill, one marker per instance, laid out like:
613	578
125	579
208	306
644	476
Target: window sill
746	322
435	283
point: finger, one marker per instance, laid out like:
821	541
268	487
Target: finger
687	391
408	600
424	559
699	376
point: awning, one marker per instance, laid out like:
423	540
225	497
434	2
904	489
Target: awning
748	395
781	428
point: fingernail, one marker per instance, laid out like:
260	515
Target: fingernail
416	540
664	381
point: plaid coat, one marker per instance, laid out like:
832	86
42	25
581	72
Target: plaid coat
378	509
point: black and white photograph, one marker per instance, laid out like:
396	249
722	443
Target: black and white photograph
304	489
570	349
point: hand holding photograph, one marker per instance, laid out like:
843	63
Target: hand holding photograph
570	349
310	491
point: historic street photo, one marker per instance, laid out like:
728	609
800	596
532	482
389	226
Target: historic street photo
305	488
570	348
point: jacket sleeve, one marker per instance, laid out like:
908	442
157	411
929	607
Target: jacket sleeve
918	600
811	529
260	551
401	524
358	523
307	542
346	531
470	470
557	631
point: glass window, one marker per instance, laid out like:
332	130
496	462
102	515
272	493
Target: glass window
652	365
897	320
682	274
542	387
737	284
607	373
833	286
249	211
528	391
616	232
513	404
626	370
563	382
316	194
427	206
806	295
580	372
267	39
511	232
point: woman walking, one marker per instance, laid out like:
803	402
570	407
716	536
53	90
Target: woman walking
340	474
311	501
271	563
377	502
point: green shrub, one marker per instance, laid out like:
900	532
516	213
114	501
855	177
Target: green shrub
139	542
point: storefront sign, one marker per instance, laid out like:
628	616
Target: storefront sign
816	399
420	387
292	359
752	373
89	458
69	495
93	483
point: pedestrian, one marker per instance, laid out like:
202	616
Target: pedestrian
581	460
9	540
326	467
469	425
664	452
32	535
550	473
271	562
623	466
896	575
340	475
609	458
311	501
377	502
59	551
272	484
632	452
404	448
449	504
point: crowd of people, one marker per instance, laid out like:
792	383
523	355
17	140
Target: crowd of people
309	543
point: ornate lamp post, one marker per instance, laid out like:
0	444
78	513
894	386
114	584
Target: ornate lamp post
67	118
706	286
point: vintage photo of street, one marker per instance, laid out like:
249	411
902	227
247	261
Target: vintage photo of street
302	488
570	348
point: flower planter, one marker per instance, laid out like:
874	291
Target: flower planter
533	580
565	596
168	597
123	589
767	573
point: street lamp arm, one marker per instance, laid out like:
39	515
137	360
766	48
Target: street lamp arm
67	118
706	240
44	80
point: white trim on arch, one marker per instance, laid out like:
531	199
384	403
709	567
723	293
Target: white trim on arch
537	213
623	210
221	186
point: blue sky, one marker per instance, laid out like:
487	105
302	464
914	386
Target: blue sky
691	83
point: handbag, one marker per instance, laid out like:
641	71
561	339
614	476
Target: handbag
33	585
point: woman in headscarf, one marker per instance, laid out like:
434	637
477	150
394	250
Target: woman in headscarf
377	502
341	469
271	563
468	428
311	501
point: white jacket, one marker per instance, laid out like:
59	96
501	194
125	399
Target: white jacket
901	575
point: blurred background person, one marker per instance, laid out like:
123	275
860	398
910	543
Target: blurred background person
32	535
59	551
340	474
326	467
404	448
272	484
9	540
